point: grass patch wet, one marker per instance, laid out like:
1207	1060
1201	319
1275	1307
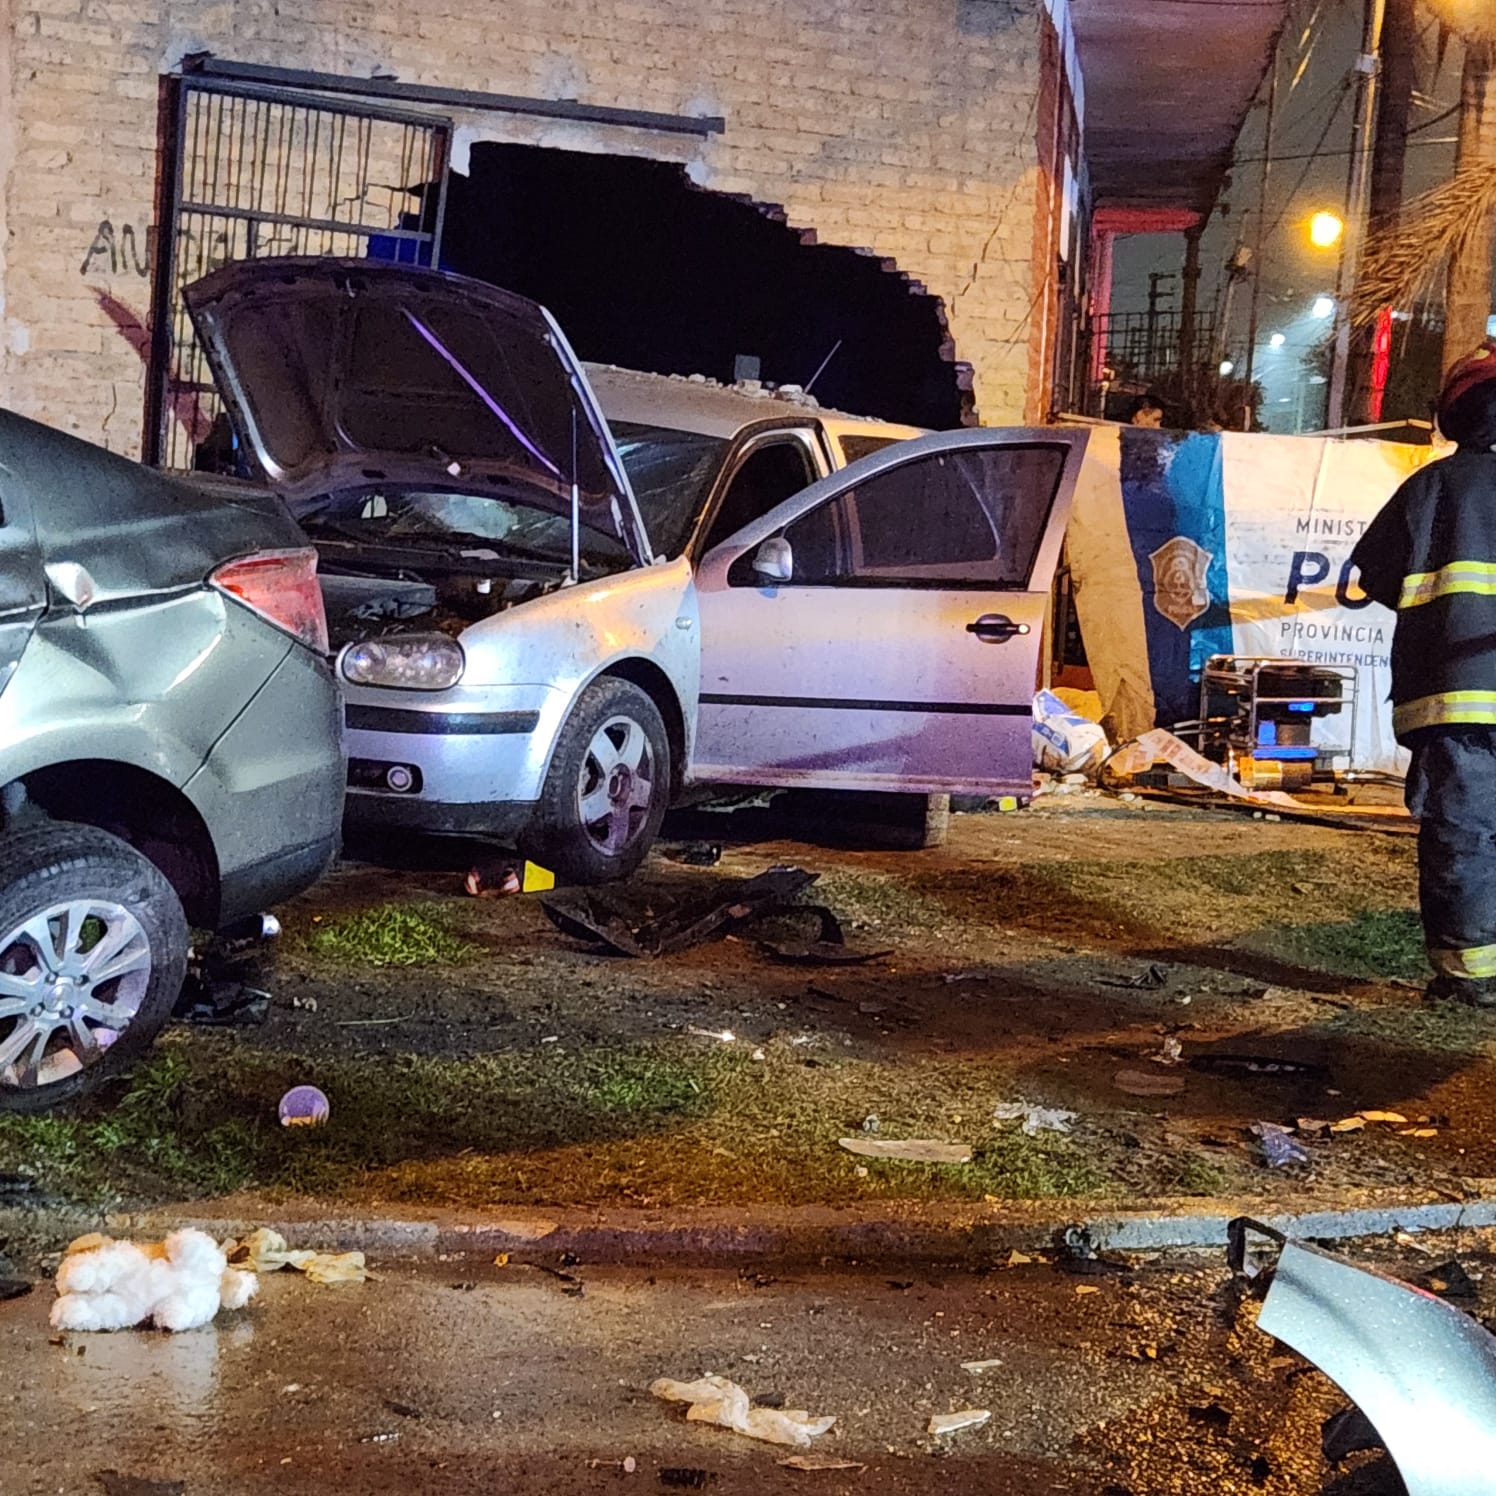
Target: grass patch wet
391	935
664	1124
1376	944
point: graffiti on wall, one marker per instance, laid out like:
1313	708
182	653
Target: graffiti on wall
129	249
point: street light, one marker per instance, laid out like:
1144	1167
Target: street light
1277	340
1326	230
1227	367
1324	306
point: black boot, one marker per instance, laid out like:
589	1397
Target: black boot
1474	992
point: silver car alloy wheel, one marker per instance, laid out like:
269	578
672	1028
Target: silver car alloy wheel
616	785
72	977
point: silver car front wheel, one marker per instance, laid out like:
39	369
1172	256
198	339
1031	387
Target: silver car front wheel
607	788
93	946
615	789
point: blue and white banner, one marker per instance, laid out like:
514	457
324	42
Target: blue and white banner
1187	545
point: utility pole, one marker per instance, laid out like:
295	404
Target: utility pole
1468	303
1358	193
1257	248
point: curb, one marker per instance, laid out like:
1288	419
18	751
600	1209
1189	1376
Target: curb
806	1235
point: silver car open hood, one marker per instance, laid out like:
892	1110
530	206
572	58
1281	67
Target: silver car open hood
342	373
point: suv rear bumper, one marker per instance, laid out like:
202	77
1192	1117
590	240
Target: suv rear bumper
271	791
253	888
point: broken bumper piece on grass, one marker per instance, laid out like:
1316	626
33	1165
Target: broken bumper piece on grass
1422	1372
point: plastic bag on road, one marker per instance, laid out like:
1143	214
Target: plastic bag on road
716	1400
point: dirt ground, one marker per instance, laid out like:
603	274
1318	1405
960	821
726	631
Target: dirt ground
1039	956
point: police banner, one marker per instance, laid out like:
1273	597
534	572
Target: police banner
1183	546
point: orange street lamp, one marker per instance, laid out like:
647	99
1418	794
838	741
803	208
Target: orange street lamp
1326	230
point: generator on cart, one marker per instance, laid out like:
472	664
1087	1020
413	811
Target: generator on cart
1276	724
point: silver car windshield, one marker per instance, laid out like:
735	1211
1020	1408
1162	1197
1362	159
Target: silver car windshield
460	523
671	473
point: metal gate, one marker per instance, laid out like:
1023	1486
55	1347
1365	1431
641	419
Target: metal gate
251	171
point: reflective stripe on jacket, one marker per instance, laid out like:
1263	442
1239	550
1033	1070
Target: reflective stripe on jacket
1431	555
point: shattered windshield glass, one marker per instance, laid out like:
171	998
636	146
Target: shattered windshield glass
464	524
671	473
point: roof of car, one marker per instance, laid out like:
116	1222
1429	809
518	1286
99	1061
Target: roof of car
708	408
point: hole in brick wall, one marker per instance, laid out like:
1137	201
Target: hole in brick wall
643	268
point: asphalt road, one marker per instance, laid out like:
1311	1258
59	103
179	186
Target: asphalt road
466	1377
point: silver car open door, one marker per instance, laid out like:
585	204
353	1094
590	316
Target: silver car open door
881	630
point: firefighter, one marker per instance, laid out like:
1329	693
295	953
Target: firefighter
1431	556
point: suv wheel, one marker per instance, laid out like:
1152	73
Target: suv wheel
608	786
93	951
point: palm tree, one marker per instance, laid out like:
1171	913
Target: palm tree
1453	228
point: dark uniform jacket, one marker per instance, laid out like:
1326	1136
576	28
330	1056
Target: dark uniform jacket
1431	555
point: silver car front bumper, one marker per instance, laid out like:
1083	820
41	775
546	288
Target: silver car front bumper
470	762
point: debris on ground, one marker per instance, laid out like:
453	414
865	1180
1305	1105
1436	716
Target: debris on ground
304	1106
115	1484
1255	1064
1036	1119
827	947
716	1400
909	1150
216	1003
684	1479
1450	1281
950	1423
1212	1415
176	1284
1359	1120
611	917
697	854
503	877
1346	1433
1170	1052
1148	1083
628	1464
1151	980
819	1462
1078	1253
266	1251
13	1288
1279	1149
979	1368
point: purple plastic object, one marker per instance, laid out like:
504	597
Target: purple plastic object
304	1106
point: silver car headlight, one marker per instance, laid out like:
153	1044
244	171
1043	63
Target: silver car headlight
408	662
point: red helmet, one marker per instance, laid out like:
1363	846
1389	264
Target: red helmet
1475	369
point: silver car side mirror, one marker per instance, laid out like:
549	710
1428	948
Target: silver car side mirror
775	561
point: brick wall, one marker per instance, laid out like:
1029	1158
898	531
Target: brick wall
910	129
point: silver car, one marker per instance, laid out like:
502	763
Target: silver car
564	600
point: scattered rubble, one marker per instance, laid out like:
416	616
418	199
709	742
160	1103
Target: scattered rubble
950	1423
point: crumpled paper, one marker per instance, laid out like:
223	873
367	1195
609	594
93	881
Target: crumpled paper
266	1251
1036	1119
716	1400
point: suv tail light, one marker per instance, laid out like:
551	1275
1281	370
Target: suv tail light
281	586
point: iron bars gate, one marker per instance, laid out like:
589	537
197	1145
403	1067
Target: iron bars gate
252	170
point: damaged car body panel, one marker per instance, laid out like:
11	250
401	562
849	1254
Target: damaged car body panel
170	744
895	643
1421	1371
344	373
127	640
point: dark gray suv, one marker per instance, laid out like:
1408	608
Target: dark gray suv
170	743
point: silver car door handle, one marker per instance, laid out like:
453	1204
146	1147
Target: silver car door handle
996	628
